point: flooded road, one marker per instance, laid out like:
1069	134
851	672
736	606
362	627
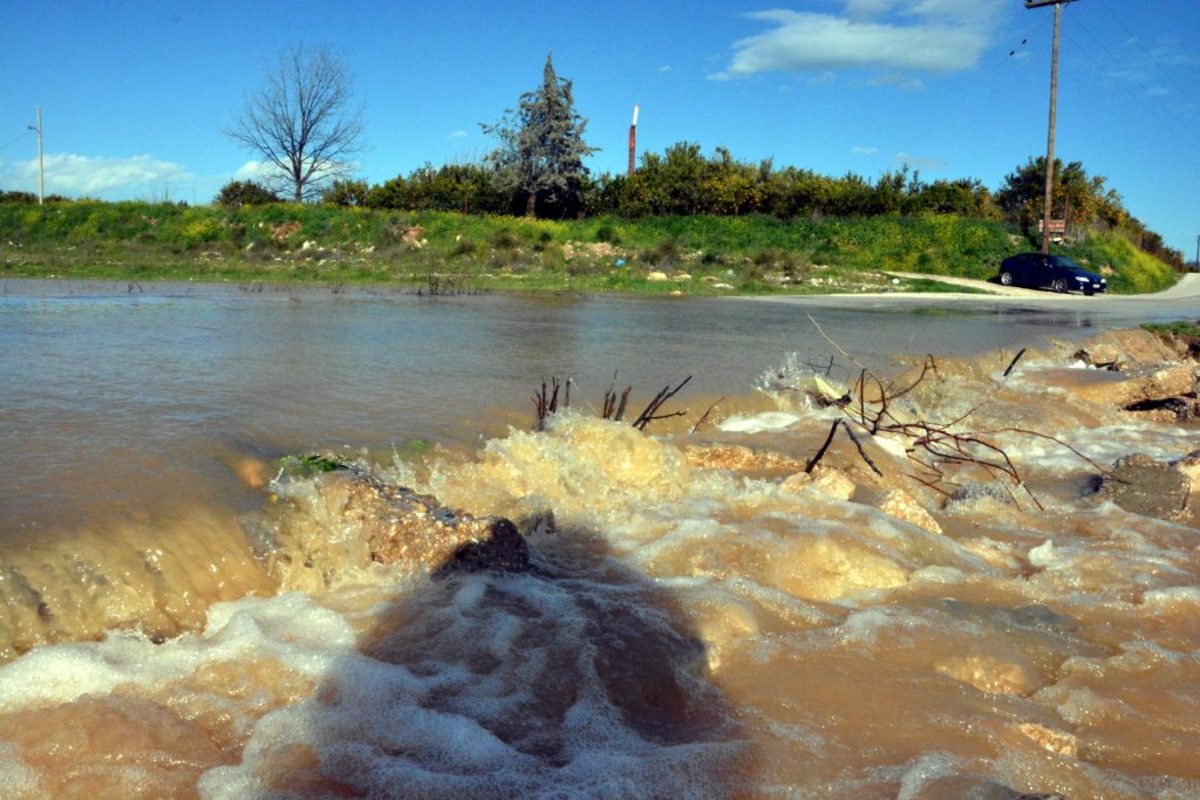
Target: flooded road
185	617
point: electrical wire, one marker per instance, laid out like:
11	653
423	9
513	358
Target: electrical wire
1149	56
1165	111
14	140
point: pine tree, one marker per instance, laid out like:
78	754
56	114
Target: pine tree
541	145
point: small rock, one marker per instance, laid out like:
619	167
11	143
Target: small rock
829	481
1098	355
740	458
901	505
1141	485
657	277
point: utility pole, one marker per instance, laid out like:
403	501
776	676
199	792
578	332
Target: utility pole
633	141
1046	213
41	168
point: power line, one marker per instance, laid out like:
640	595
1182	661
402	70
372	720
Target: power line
1160	108
14	140
1149	56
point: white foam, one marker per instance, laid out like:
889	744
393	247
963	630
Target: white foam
1043	555
759	423
1172	597
535	716
290	627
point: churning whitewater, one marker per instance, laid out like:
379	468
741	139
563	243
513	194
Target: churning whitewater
984	582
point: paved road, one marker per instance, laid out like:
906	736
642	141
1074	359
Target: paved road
1188	286
1027	306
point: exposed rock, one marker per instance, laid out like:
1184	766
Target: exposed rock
829	481
740	458
361	519
413	237
657	277
1099	354
283	230
1141	485
1122	389
1132	345
901	505
1170	409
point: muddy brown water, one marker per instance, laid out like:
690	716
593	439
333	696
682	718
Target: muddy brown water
698	625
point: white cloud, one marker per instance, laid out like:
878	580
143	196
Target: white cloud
258	171
927	163
74	175
864	151
903	36
665	68
458	134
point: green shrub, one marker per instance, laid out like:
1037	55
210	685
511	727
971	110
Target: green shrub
236	194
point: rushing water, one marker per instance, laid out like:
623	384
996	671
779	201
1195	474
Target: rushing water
701	622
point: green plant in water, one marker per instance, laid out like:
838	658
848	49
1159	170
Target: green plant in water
309	464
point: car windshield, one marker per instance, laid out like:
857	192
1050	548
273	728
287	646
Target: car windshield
1067	263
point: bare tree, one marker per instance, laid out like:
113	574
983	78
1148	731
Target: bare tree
301	121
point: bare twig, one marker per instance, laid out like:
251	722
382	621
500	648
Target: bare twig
835	345
704	416
816	459
863	452
1012	364
647	416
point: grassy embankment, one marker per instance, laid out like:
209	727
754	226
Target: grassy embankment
454	252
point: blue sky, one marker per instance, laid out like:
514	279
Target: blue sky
135	94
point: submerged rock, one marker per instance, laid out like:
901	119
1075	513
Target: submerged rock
1142	485
972	495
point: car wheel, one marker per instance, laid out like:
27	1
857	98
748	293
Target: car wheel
1006	279
1059	286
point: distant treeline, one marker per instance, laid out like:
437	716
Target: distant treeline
683	182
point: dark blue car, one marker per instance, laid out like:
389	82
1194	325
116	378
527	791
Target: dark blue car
1055	272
